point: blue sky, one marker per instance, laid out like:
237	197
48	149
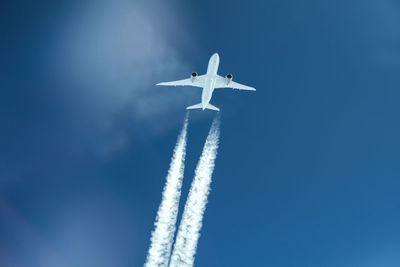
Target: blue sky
307	172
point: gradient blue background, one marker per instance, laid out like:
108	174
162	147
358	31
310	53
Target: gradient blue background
308	169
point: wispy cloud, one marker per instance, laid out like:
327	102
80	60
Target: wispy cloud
109	56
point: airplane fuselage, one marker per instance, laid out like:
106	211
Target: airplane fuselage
210	79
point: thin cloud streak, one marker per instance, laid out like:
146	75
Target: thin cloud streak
163	234
191	223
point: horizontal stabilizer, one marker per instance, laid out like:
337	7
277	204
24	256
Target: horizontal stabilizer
200	106
195	106
209	106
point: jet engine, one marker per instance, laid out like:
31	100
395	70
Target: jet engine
228	78
193	76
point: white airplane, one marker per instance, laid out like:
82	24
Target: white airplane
209	81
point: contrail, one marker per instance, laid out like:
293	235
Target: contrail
189	229
164	231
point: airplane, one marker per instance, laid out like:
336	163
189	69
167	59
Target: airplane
209	81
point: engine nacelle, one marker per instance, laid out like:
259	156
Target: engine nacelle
228	78
193	76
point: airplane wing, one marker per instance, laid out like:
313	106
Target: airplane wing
197	82
223	83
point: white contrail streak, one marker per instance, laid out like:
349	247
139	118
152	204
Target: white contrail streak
164	231
189	229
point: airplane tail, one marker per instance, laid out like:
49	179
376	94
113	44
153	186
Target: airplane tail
199	106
